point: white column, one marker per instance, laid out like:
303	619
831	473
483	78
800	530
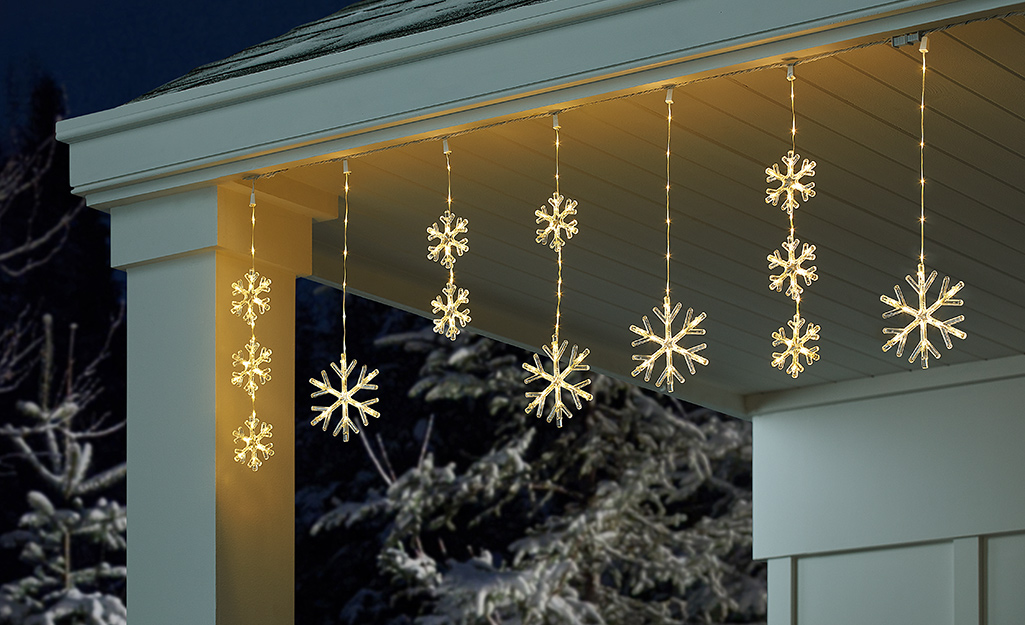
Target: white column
210	540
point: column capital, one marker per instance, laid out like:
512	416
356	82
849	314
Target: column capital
213	218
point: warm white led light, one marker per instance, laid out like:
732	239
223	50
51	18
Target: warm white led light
252	290
252	441
344	397
557	226
791	186
791	268
668	342
922	316
448	242
796	345
557	381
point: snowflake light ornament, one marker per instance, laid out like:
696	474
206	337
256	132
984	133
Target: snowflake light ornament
922	317
451	318
250	289
791	267
344	395
252	444
447	241
668	344
795	345
253	360
557	377
344	398
790	182
556	221
557	382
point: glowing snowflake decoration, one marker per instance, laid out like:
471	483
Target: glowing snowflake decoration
252	443
556	221
447	241
791	268
253	360
668	344
922	317
790	182
796	346
448	324
557	382
250	288
344	398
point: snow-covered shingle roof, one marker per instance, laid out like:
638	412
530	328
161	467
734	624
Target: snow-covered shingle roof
360	24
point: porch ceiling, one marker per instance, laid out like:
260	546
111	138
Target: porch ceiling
857	118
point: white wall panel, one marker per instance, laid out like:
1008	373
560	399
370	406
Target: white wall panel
909	468
906	586
1005	575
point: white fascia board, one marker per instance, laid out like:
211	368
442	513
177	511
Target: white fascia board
459	75
904	383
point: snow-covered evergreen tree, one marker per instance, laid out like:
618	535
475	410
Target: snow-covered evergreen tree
638	511
70	530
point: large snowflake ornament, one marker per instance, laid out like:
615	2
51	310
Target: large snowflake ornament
250	289
922	317
451	318
795	346
668	344
791	267
790	182
252	444
555	223
447	240
557	382
344	398
253	359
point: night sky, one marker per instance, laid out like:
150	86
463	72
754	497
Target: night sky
108	52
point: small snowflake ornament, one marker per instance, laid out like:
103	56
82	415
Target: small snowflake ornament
668	344
557	382
791	267
344	398
795	346
251	289
790	182
447	241
252	444
452	318
922	317
253	360
556	221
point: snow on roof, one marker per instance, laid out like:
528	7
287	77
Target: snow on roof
360	24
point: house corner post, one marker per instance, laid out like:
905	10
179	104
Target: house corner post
212	542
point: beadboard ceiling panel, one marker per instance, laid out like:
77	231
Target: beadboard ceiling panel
857	117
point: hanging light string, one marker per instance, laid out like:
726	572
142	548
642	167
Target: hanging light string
669	140
922	316
253	292
556	225
793	149
345	253
448	201
921	156
668	344
558	284
252	267
449	247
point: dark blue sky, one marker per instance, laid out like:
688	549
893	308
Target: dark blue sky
107	52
